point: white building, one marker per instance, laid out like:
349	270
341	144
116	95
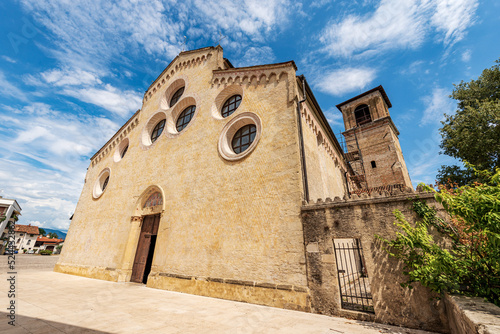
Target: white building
25	236
8	208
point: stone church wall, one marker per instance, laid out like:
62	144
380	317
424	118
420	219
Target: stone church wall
228	229
362	218
323	162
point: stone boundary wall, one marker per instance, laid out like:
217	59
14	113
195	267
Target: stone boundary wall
362	217
472	315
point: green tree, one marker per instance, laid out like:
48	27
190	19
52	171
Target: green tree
53	235
471	265
472	133
41	231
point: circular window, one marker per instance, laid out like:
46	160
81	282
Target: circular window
185	117
121	150
105	183
227	101
243	138
158	129
177	95
153	129
101	183
240	136
124	151
231	105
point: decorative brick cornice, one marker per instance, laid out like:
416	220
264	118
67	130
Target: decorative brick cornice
333	153
116	139
176	66
256	75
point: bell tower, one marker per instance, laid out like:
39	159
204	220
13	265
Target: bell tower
373	150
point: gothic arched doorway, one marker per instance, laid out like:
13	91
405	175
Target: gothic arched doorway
150	207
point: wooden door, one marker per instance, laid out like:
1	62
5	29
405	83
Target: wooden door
149	228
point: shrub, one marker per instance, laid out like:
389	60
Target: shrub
46	252
471	265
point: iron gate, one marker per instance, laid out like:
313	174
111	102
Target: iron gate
354	285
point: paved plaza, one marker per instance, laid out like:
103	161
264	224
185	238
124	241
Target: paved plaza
49	302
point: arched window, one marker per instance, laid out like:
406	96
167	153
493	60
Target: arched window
154	200
362	115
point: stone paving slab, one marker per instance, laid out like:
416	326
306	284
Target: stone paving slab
49	302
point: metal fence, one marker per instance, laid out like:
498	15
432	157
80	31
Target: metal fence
353	278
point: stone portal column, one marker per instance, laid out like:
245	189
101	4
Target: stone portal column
130	249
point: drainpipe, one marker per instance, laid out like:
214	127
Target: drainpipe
301	142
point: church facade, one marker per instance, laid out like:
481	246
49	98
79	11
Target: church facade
202	190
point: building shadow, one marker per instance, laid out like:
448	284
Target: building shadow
24	324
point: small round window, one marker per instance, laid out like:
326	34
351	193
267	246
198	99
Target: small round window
185	117
105	183
158	129
240	136
121	150
243	138
177	95
231	105
101	183
124	151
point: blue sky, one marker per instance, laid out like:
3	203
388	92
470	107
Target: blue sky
72	72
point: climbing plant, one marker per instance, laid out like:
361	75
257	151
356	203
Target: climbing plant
467	260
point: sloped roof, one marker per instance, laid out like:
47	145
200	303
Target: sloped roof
26	229
378	88
46	240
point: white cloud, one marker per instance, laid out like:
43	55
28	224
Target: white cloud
253	18
10	60
452	17
10	90
110	98
345	80
94	33
70	77
436	105
466	55
399	24
257	56
334	117
44	156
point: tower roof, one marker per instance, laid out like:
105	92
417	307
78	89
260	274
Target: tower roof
379	88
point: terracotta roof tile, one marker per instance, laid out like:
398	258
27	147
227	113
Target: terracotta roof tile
49	240
26	229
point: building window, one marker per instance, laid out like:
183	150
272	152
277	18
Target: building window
105	183
240	136
374	165
243	138
32	235
231	105
18	240
362	115
29	242
101	183
177	95
121	150
124	151
185	117
158	129
21	234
